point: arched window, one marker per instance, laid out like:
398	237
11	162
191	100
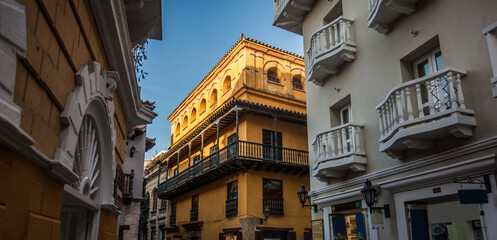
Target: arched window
185	122
227	84
193	115
272	75
203	103
154	201
213	97
178	129
297	82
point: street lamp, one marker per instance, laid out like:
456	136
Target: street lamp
303	196
370	194
266	212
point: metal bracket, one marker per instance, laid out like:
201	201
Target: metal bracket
475	180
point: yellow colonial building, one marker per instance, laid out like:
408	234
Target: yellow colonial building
238	150
68	96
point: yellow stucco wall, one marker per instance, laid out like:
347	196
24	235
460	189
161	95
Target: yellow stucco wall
30	201
246	65
212	199
61	37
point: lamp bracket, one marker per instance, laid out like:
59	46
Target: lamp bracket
385	209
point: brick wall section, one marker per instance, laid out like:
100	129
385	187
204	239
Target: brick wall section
30	201
61	37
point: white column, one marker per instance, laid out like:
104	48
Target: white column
328	228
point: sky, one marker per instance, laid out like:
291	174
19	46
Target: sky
195	36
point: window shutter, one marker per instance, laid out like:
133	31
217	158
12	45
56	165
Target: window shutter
118	187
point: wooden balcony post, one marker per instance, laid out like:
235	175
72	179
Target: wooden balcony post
217	134
177	161
189	154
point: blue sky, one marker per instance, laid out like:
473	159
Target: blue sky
196	35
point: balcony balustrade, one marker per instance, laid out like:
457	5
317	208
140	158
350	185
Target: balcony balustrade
288	14
337	150
417	112
383	12
330	47
128	185
212	167
194	215
275	205
231	207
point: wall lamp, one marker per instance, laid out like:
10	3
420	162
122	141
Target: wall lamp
132	151
370	194
303	197
267	213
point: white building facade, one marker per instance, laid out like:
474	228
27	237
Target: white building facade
403	95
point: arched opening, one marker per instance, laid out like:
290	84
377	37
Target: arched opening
193	115
202	106
185	122
178	129
297	82
213	97
272	75
227	84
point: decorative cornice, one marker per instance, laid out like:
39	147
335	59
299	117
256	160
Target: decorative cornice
112	25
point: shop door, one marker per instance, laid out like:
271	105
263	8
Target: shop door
418	218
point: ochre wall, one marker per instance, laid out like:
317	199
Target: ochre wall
246	64
61	37
212	199
30	201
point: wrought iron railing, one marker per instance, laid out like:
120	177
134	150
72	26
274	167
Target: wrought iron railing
231	207
194	215
238	150
275	205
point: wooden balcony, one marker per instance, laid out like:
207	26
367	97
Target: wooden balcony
337	150
416	113
231	207
128	186
384	12
289	14
331	46
275	205
238	156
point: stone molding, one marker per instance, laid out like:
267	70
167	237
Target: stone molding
435	158
92	85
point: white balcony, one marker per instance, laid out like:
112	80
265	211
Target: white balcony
331	46
383	12
289	14
416	113
337	150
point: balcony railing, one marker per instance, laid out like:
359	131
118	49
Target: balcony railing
194	215
330	47
128	185
231	207
275	205
419	111
382	13
172	220
337	150
289	14
238	150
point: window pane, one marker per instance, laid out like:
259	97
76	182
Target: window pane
438	60
423	68
233	190
345	116
272	188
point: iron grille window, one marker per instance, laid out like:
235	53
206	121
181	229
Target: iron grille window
172	218
232	199
297	82
272	193
194	210
272	75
